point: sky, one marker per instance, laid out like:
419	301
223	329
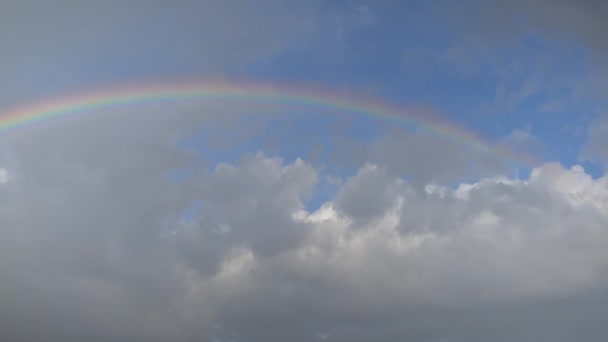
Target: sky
233	220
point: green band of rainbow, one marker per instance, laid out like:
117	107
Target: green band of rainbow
255	92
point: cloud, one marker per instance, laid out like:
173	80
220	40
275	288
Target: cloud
424	158
367	196
433	253
499	57
70	45
524	141
512	47
570	18
595	149
518	137
93	233
569	24
4	176
95	243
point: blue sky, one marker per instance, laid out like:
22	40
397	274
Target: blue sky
407	53
408	64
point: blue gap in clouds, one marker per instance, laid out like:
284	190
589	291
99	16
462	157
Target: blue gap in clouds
315	135
363	130
297	133
373	56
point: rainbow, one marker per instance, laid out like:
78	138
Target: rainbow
301	96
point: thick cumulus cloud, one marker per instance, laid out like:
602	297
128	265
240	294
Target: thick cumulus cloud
497	247
95	244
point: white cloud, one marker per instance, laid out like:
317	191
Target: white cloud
518	137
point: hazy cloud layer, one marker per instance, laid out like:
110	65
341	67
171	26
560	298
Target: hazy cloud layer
95	245
71	44
563	19
596	148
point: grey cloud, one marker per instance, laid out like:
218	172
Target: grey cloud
504	18
4	176
596	148
71	44
248	205
487	25
84	216
420	156
566	65
423	158
528	50
506	253
484	26
94	245
368	195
